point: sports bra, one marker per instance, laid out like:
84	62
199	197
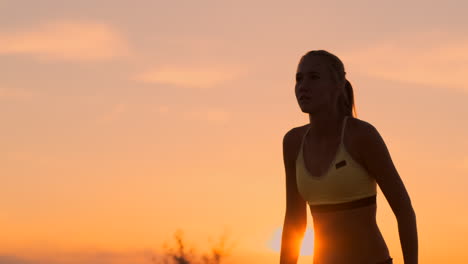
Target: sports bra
346	184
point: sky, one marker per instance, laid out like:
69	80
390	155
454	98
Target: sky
123	121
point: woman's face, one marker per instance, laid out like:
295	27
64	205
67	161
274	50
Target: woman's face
315	88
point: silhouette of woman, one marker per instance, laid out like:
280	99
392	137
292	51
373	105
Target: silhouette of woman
333	165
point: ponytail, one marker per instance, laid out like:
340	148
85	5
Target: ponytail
346	101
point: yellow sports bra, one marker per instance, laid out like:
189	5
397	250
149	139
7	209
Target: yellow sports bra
346	184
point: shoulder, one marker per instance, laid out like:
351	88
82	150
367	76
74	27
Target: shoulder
359	123
293	135
366	133
361	129
292	140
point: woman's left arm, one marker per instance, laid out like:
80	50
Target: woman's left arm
379	163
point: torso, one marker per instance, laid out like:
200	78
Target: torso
347	236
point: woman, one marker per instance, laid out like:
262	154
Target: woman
333	165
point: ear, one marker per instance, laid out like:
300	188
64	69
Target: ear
341	88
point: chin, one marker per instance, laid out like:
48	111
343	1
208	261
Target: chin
306	109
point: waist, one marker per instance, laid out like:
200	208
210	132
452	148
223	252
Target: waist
349	238
372	250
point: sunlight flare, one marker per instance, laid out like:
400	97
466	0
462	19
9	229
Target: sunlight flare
307	246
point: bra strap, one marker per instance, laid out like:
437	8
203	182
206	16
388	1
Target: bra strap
343	128
305	134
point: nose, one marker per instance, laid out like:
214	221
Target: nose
302	89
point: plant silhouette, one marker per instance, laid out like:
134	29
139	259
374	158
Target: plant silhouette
180	254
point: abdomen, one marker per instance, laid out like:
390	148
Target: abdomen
348	236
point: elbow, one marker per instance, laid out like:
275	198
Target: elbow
295	217
407	213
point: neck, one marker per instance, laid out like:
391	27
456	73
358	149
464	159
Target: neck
325	124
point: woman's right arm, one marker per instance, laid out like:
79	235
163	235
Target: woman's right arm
295	220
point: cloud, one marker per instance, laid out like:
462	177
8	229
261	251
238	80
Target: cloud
15	94
208	114
464	163
65	40
161	109
196	113
194	77
114	113
431	58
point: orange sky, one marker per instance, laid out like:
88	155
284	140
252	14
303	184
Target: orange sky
124	122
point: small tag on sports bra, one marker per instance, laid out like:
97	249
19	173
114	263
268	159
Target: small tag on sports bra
340	164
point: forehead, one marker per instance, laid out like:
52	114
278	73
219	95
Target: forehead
312	64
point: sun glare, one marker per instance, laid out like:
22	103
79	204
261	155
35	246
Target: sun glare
307	247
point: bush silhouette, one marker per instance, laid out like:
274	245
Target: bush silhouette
179	254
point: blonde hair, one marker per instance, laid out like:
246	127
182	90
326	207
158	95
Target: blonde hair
346	99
